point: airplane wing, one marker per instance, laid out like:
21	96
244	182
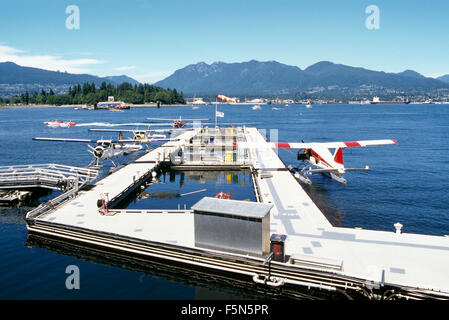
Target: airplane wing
171	130
123	141
311	145
142	141
65	140
160	124
114	130
156	140
331	145
83	140
129	124
174	119
104	140
160	119
171	124
137	130
107	124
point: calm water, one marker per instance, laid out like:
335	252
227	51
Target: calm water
179	189
408	183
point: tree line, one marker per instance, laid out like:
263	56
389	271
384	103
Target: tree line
89	94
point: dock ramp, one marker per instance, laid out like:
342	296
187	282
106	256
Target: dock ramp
50	176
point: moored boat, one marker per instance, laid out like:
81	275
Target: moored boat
62	124
112	104
376	100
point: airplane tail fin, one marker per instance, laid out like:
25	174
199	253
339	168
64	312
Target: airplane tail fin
338	156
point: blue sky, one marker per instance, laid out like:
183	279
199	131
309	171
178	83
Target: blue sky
149	40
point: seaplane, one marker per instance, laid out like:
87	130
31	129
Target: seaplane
59	124
318	154
139	135
177	123
106	149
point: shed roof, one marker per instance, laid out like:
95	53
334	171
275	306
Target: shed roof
233	207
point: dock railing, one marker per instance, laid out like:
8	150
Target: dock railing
51	204
150	211
51	176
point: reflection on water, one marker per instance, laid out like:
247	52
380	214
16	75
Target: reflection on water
324	201
194	283
15	212
13	215
182	189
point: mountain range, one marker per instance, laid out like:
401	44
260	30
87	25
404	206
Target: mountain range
444	78
15	79
272	78
245	79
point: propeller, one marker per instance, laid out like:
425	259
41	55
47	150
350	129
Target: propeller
97	152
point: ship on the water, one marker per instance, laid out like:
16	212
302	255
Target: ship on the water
376	100
111	104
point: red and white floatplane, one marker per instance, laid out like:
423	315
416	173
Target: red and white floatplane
318	154
177	123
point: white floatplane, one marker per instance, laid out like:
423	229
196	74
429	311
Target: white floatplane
141	134
108	149
318	154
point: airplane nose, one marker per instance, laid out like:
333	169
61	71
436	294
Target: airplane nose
98	151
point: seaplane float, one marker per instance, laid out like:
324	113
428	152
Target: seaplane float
320	158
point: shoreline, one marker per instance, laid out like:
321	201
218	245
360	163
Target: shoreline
35	106
165	105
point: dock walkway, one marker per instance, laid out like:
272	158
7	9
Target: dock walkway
82	210
382	257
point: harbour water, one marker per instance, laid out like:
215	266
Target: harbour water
408	184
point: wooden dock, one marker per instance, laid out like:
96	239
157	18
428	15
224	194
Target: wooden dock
321	256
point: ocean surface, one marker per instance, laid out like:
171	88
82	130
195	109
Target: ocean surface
409	183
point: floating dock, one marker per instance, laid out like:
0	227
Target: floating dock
315	254
14	196
18	183
48	176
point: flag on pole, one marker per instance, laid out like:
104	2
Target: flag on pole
219	114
